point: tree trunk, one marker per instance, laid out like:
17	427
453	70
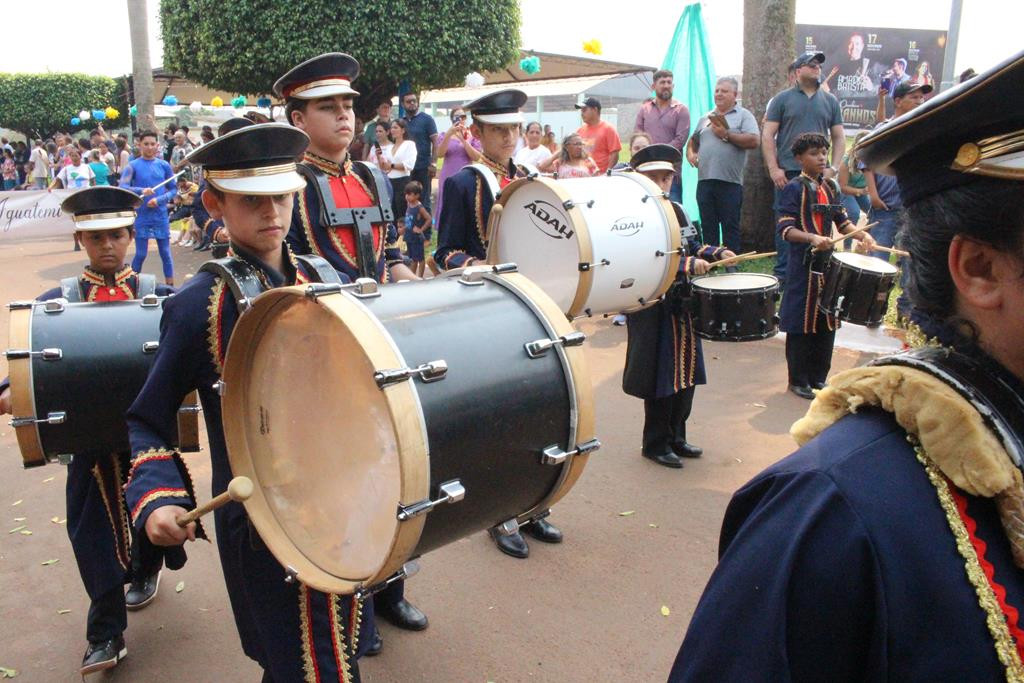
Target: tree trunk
769	36
142	69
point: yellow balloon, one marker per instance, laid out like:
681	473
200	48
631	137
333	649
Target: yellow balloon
216	102
592	46
111	113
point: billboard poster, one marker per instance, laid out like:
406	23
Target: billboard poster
859	59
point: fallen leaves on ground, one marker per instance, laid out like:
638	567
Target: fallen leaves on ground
47	563
627	513
48	480
7	673
665	611
180	587
20	519
653	526
16	529
17	502
63	611
760	405
25	532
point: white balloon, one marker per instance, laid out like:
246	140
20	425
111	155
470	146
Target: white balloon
196	107
474	80
84	114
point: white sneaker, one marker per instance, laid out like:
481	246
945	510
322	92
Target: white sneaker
186	243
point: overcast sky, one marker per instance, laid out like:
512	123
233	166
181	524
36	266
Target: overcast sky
639	33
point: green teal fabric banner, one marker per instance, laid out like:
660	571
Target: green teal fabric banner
689	60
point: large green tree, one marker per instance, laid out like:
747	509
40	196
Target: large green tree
245	45
38	105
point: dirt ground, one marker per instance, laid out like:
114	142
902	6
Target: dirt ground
638	538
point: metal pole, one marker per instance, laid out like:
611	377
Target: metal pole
540	108
949	79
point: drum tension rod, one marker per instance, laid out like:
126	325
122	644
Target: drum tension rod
429	372
18	305
150	346
569	204
663	195
554	455
362	288
45	354
681	251
451	492
410	568
538	348
584	267
50	419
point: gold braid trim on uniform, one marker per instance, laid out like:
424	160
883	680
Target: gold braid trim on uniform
478	206
1006	648
357	621
213	325
122	541
338	639
308	665
946	425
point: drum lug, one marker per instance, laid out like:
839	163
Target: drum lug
508	527
18	305
568	204
429	372
319	289
218	387
363	288
45	354
149	301
554	455
55	305
536	349
410	568
150	346
681	251
291	575
584	267
189	410
475	276
57	418
64	458
451	492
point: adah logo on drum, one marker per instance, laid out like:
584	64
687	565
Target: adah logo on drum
627	226
549	219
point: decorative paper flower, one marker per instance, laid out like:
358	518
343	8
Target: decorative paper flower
99	114
111	113
84	115
263	103
530	65
238	102
474	80
75	120
133	110
217	102
195	107
171	101
593	46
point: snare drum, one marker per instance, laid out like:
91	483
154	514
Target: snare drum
75	369
606	244
735	306
381	424
857	288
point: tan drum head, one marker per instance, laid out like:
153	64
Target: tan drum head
735	281
864	262
23	403
331	454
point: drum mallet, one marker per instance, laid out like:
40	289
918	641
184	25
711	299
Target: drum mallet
239	489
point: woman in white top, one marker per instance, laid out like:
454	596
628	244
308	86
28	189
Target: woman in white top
533	153
398	160
381	141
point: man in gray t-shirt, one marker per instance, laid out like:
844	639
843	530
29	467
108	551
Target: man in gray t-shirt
718	148
804	108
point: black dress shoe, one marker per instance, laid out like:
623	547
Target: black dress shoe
543	530
511	544
668	459
684	449
403	615
802	392
105	655
819	385
376	646
141	592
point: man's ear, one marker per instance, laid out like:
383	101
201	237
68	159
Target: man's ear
213	206
298	117
981	273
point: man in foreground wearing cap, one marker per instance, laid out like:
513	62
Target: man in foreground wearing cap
294	632
600	138
99	533
319	97
889	547
462	232
664	359
803	108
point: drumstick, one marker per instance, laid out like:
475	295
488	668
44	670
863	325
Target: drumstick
733	259
239	489
164	182
848	235
890	250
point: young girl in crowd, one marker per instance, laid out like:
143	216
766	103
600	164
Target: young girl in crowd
417	218
573	161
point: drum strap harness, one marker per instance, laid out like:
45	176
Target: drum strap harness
362	218
71	288
245	284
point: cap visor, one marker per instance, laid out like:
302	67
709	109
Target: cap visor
656	166
104	223
279	183
513	117
324	91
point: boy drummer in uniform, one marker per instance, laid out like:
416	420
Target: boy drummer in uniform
97	520
294	632
664	359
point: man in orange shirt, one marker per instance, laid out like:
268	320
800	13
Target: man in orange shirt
600	138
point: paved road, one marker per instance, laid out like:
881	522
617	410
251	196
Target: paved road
588	610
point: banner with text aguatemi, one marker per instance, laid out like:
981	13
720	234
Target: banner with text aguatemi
33	214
